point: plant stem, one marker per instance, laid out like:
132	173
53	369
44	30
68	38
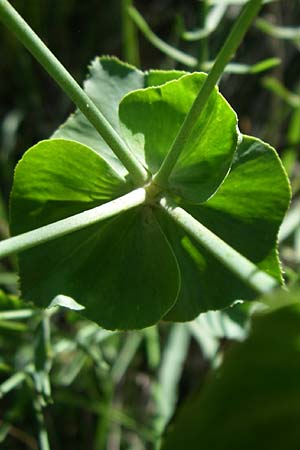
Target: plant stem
161	45
288	33
213	19
43	357
125	356
152	347
74	223
234	261
227	52
203	47
130	38
12	383
14	22
42	430
20	314
290	223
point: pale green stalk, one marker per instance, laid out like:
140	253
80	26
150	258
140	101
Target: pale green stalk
125	356
258	280
242	69
152	343
157	42
224	56
12	383
42	430
129	36
169	374
10	17
62	227
19	314
203	51
213	19
288	33
291	222
43	357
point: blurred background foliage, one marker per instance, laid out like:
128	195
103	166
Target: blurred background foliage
64	377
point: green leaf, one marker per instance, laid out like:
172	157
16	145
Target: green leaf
111	267
151	118
126	271
158	77
210	328
253	400
60	171
109	79
246	212
63	301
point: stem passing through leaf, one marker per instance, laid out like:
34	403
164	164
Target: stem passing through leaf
66	226
227	52
258	280
10	17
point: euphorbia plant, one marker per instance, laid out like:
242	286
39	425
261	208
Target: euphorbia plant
147	203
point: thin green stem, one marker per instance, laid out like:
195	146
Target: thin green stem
43	357
74	223
213	19
42	430
125	356
130	38
242	69
14	22
157	42
230	258
291	222
152	346
203	47
288	33
227	52
12	383
20	314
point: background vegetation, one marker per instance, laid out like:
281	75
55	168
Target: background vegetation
119	390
